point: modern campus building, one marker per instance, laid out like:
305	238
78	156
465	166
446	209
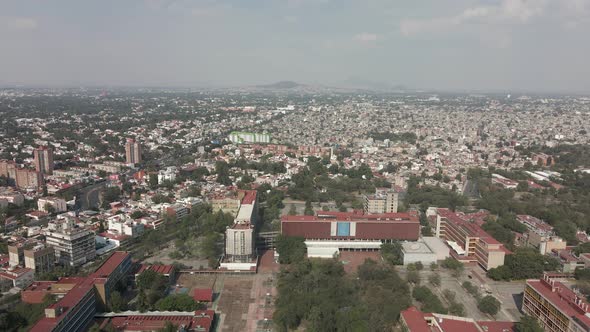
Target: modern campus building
43	159
240	239
327	233
75	311
540	235
240	137
556	307
73	245
132	151
468	241
414	320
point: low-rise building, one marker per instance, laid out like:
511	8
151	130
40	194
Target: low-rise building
20	277
46	203
540	235
9	195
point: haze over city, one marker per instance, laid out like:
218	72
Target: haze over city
534	45
295	165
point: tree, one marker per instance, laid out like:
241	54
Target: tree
293	210
308	209
454	265
392	253
522	186
116	302
291	249
419	266
434	279
433	266
413	277
457	309
489	305
169	327
177	302
153	181
528	324
49	208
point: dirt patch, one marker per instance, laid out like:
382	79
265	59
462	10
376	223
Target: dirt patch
351	260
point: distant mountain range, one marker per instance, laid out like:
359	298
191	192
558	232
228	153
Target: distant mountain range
351	84
281	85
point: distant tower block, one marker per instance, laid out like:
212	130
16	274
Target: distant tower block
132	151
43	160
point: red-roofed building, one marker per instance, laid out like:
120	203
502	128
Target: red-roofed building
203	294
555	306
468	240
76	309
198	321
166	270
415	320
328	232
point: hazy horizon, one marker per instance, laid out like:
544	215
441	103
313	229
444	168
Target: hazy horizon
486	45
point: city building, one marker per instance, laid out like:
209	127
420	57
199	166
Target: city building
16	276
40	258
28	179
32	254
414	320
239	137
540	235
468	241
383	201
73	245
239	242
132	151
56	204
121	224
556	307
169	174
329	232
75	311
112	169
43	160
192	321
11	196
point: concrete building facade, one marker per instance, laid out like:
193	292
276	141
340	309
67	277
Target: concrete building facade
43	160
73	245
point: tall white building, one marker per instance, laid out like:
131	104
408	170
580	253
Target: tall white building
73	245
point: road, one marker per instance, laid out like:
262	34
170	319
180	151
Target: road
470	189
89	197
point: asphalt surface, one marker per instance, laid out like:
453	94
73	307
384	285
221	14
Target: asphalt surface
89	197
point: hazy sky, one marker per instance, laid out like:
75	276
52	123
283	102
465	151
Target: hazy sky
444	44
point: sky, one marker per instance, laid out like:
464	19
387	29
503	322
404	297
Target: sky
529	45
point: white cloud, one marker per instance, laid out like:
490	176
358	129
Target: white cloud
291	19
18	23
508	11
211	11
365	37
